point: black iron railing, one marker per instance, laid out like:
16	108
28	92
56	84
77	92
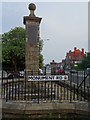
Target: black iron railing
19	89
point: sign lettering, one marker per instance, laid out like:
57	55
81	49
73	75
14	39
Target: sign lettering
48	78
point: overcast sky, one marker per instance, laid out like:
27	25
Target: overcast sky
65	24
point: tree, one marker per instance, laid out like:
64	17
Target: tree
13	50
85	63
41	56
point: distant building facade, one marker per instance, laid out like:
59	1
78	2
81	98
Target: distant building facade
74	57
71	60
53	67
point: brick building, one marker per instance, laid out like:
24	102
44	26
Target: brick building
74	57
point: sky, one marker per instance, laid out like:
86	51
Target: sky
65	24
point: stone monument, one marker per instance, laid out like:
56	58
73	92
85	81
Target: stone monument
32	41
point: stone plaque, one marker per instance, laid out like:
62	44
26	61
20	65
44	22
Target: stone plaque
32	34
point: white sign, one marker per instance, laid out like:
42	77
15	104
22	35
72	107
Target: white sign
48	78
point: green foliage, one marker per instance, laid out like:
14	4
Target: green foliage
41	61
13	50
41	56
87	60
85	63
0	55
40	45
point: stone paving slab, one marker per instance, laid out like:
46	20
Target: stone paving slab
20	108
44	106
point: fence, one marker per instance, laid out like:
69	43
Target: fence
20	89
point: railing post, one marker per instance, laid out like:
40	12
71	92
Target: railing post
89	97
84	86
45	90
70	87
77	86
64	92
12	87
2	86
25	84
15	90
7	90
18	87
48	91
61	93
74	93
51	90
38	93
57	92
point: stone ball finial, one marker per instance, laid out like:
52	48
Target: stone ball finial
32	6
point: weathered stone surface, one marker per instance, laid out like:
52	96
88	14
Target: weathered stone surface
21	108
32	42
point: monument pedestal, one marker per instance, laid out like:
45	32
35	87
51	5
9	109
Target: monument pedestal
32	51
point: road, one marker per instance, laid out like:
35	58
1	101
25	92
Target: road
79	77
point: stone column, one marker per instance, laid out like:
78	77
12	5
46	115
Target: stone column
53	67
32	41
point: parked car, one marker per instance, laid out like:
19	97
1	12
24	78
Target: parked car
10	76
40	72
73	71
5	75
60	71
21	74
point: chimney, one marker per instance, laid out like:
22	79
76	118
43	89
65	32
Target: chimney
75	48
53	61
69	51
82	51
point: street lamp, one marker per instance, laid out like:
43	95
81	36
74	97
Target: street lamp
44	39
41	41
